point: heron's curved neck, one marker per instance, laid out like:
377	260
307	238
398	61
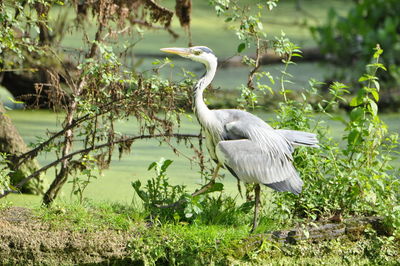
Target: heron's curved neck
200	107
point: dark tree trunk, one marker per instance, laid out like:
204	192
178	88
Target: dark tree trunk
22	87
40	89
12	143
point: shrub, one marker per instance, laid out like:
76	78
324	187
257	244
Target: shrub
349	40
350	179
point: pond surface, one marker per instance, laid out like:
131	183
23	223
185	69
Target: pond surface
115	184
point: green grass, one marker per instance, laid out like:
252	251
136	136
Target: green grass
153	243
102	216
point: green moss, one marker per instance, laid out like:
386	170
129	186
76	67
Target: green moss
88	217
204	245
83	230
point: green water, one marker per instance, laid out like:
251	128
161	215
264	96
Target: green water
115	184
207	29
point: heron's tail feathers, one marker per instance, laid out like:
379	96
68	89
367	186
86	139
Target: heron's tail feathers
292	184
300	138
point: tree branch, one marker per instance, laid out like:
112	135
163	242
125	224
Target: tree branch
97	147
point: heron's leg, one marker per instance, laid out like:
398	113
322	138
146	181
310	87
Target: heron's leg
239	188
209	184
257	190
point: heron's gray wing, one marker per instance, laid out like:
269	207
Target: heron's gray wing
251	164
271	143
257	153
300	138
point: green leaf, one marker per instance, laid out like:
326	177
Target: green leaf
377	86
228	19
375	94
247	206
355	101
165	165
356	113
353	137
151	166
241	47
378	52
365	77
373	107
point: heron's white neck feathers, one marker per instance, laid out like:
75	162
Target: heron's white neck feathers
204	115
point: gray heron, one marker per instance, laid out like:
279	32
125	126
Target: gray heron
249	148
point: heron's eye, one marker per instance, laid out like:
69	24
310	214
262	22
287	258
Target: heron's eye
197	52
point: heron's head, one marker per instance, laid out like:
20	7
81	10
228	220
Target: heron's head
200	54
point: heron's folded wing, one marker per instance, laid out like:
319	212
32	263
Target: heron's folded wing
269	140
300	138
247	160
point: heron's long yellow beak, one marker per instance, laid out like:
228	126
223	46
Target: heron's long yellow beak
178	51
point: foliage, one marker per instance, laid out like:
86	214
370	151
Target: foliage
183	244
14	22
349	40
166	202
246	21
94	90
158	192
101	90
355	179
81	180
199	245
213	228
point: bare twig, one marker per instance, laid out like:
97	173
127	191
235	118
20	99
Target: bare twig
32	153
256	67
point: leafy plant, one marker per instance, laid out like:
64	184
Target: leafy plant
173	203
159	193
343	180
82	179
351	179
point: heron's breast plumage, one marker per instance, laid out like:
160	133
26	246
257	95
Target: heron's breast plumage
213	134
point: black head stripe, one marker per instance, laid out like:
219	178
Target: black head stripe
206	49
